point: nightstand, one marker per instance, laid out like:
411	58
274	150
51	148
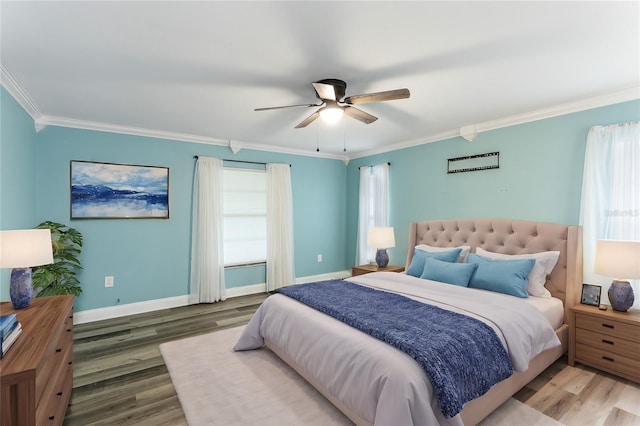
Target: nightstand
365	269
608	340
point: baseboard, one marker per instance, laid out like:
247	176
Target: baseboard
109	312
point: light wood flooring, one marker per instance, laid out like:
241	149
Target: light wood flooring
121	379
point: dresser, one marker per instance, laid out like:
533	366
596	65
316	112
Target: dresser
607	340
36	373
365	269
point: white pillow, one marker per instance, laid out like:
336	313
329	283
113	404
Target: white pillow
463	254
545	262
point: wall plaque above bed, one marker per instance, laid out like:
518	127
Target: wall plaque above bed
472	163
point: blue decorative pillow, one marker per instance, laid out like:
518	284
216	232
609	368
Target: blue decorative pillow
419	256
447	272
502	276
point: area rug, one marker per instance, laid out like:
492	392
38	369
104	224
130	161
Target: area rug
217	386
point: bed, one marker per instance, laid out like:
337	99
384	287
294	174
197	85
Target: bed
372	382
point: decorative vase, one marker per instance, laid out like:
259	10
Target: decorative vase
21	288
382	258
621	295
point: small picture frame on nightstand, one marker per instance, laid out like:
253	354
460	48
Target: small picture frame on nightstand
590	294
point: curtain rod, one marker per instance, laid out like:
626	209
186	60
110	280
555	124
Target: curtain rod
240	161
389	163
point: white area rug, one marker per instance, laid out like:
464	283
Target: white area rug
217	386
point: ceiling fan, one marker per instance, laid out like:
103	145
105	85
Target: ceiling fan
331	92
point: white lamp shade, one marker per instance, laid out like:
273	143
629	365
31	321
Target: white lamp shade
25	248
381	238
618	259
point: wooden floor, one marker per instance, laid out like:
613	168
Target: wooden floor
121	379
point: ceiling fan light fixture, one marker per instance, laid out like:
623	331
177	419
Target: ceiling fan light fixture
331	114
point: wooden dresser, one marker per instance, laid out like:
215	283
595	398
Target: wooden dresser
365	269
36	374
607	340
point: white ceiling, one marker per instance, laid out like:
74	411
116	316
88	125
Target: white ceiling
196	70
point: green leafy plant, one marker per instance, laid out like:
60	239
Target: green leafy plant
60	276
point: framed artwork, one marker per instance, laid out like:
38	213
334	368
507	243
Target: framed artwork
590	294
473	163
118	191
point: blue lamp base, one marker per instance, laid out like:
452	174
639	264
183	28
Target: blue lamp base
21	288
621	295
382	258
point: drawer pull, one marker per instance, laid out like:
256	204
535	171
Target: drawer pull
69	363
68	330
606	358
608	342
51	417
608	326
59	393
59	350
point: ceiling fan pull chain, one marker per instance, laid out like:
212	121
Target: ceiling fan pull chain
317	137
344	137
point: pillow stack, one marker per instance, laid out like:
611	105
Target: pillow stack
517	275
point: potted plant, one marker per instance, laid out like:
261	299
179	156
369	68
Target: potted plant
60	276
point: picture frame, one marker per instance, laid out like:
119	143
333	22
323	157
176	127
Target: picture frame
118	191
591	294
474	163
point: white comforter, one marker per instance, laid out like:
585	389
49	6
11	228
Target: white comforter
377	382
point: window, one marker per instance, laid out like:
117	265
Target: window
610	193
373	208
245	216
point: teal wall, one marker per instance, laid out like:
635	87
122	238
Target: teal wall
540	175
539	178
149	258
17	173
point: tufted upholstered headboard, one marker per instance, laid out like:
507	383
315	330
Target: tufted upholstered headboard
512	237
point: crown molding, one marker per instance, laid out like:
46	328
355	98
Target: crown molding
19	94
625	95
41	121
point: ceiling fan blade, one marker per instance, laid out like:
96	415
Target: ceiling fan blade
308	120
325	91
287	106
360	115
389	95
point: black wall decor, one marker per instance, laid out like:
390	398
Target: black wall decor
473	163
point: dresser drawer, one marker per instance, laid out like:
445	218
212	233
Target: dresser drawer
608	326
608	343
608	361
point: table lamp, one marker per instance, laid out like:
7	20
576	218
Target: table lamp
20	250
619	259
381	239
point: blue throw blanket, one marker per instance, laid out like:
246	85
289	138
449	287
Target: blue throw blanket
462	356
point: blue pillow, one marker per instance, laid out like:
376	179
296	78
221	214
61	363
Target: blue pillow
447	272
502	276
419	256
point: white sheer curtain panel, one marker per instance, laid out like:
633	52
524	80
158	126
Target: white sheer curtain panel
207	260
373	210
280	268
610	207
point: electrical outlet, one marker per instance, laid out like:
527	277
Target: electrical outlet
108	281
319	258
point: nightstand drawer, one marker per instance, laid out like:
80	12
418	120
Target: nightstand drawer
608	343
608	326
608	361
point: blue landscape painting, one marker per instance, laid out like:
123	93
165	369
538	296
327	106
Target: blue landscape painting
105	190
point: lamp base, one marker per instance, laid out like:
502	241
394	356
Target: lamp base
621	295
382	258
21	288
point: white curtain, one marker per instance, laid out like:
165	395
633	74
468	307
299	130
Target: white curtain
610	207
207	260
280	268
373	208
